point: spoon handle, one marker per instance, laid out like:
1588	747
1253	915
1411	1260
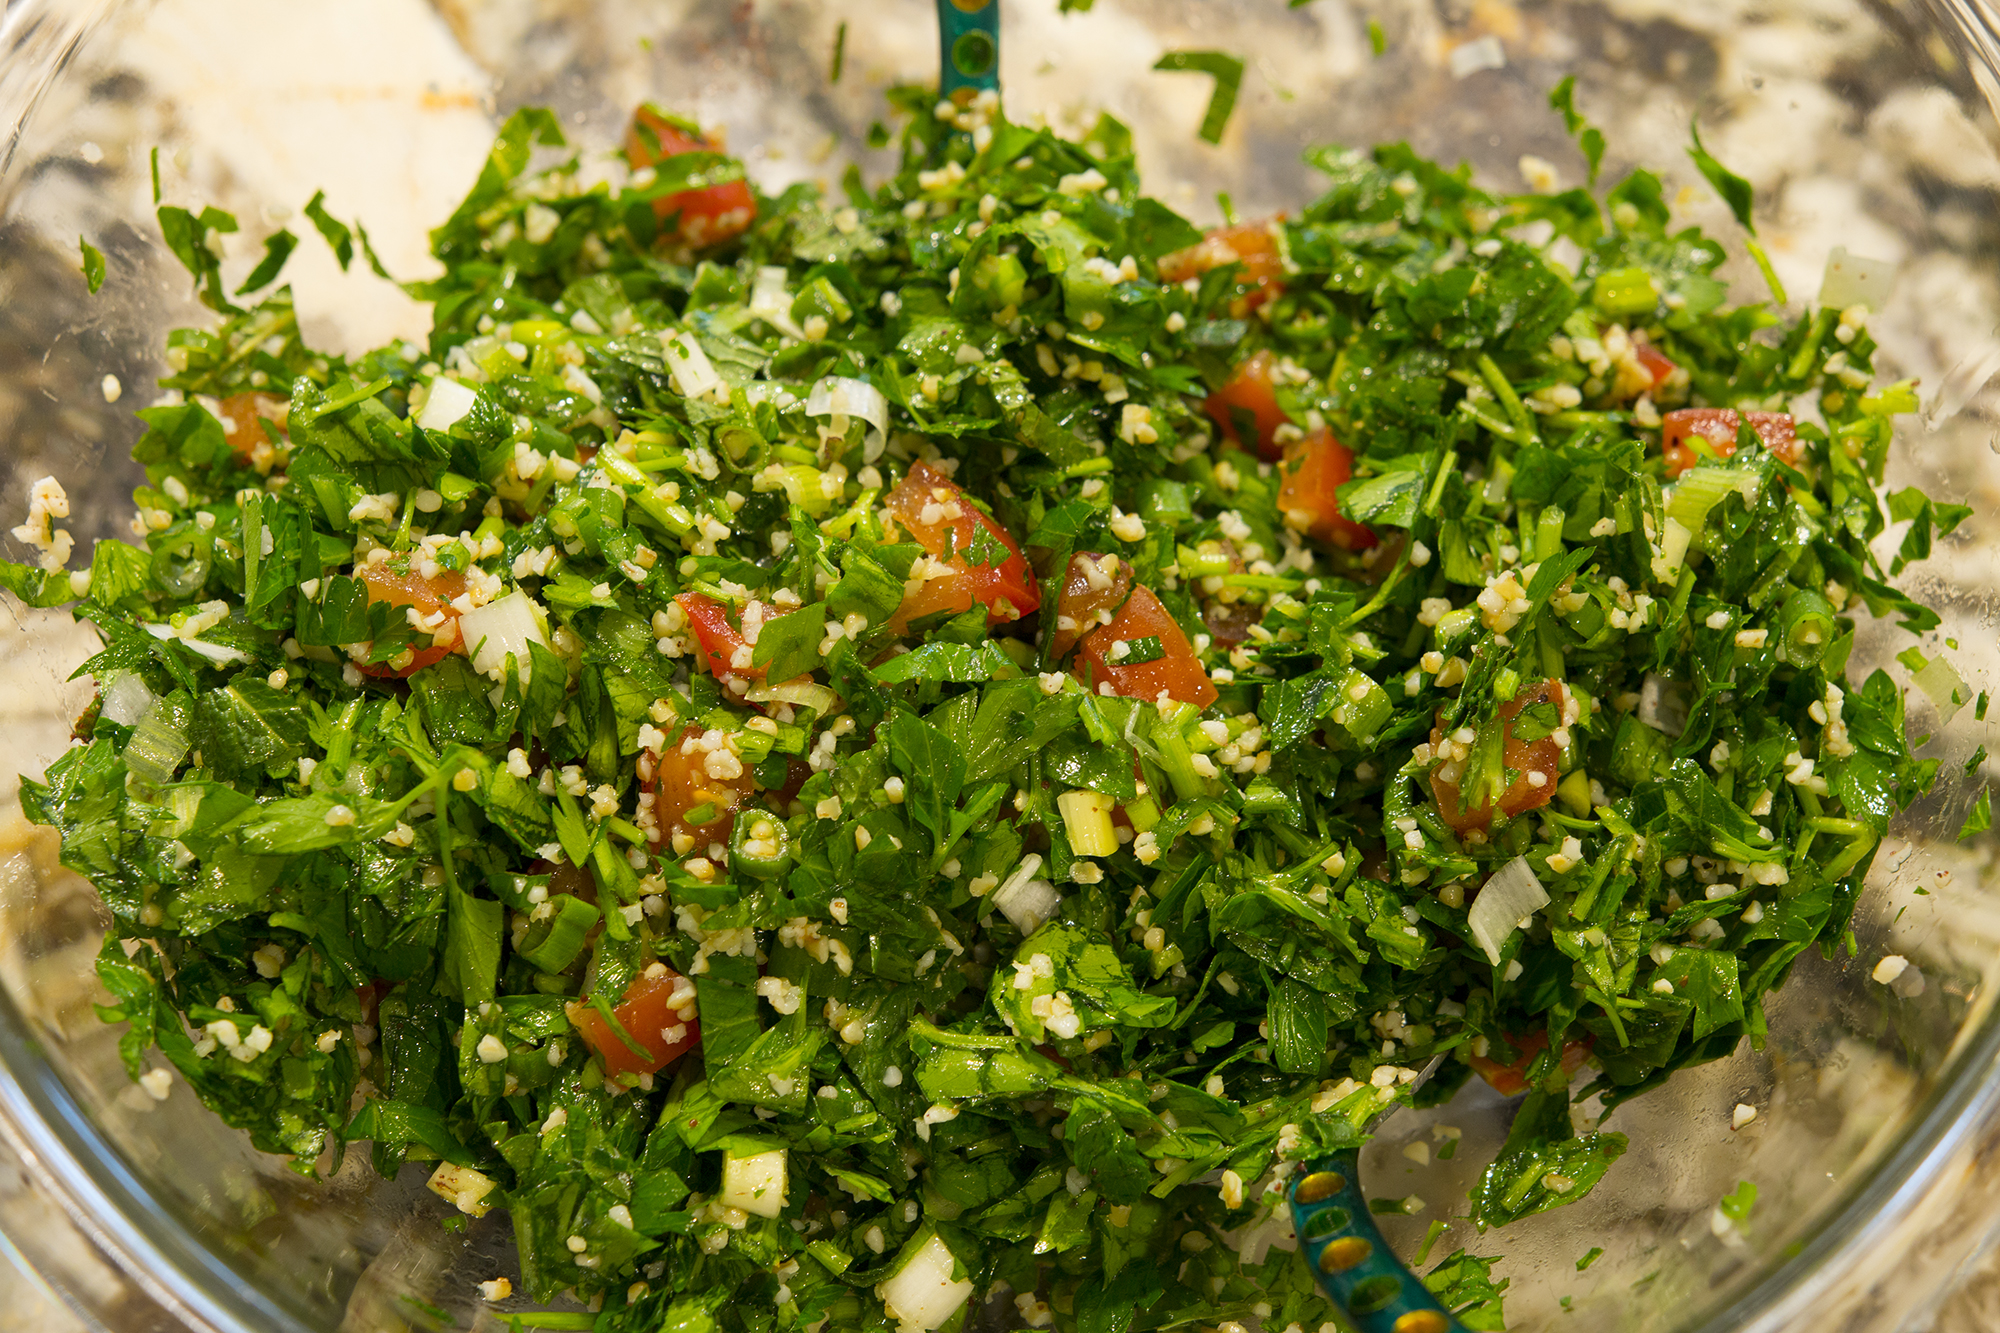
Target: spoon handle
1356	1268
968	45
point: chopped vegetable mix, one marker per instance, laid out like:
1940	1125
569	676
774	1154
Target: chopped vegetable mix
836	756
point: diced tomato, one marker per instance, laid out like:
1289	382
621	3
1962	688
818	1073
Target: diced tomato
707	216
649	1016
939	517
1177	671
722	643
1251	395
1717	427
1096	586
398	582
685	778
242	417
1528	760
1313	471
1654	362
1510	1080
1253	245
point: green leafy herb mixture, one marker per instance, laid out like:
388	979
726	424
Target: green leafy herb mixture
830	754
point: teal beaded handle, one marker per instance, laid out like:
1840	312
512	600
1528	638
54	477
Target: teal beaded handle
1356	1268
968	45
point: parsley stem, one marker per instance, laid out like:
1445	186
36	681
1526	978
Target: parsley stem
1381	597
1517	411
1488	420
1802	360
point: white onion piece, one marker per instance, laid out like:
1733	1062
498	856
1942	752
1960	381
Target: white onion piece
126	698
447	404
771	300
688	364
1662	705
1509	898
800	693
754	1183
840	396
214	652
1853	280
1024	899
1030	866
924	1293
1945	688
493	632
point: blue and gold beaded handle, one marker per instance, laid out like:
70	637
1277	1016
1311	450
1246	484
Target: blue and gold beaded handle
1356	1268
968	46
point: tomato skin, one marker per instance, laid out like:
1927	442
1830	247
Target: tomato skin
399	584
1314	470
1717	425
681	782
647	1013
1007	590
1654	362
1252	245
1177	671
1510	1080
708	216
1090	596
1251	388
1525	757
720	641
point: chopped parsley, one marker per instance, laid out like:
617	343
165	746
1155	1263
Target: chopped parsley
822	750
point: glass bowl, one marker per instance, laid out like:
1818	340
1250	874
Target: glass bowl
1865	126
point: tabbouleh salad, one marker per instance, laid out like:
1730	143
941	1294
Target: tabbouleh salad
840	755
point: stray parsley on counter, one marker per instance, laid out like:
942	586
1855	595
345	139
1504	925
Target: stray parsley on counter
839	756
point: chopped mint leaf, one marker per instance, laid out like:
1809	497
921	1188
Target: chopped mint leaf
93	265
1735	191
1227	71
337	233
1979	818
278	247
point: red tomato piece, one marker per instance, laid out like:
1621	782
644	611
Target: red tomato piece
1717	428
1177	672
658	1012
1528	759
397	582
1654	362
938	516
242	416
708	216
1510	1080
1252	245
1314	470
1097	585
727	652
1251	395
687	777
